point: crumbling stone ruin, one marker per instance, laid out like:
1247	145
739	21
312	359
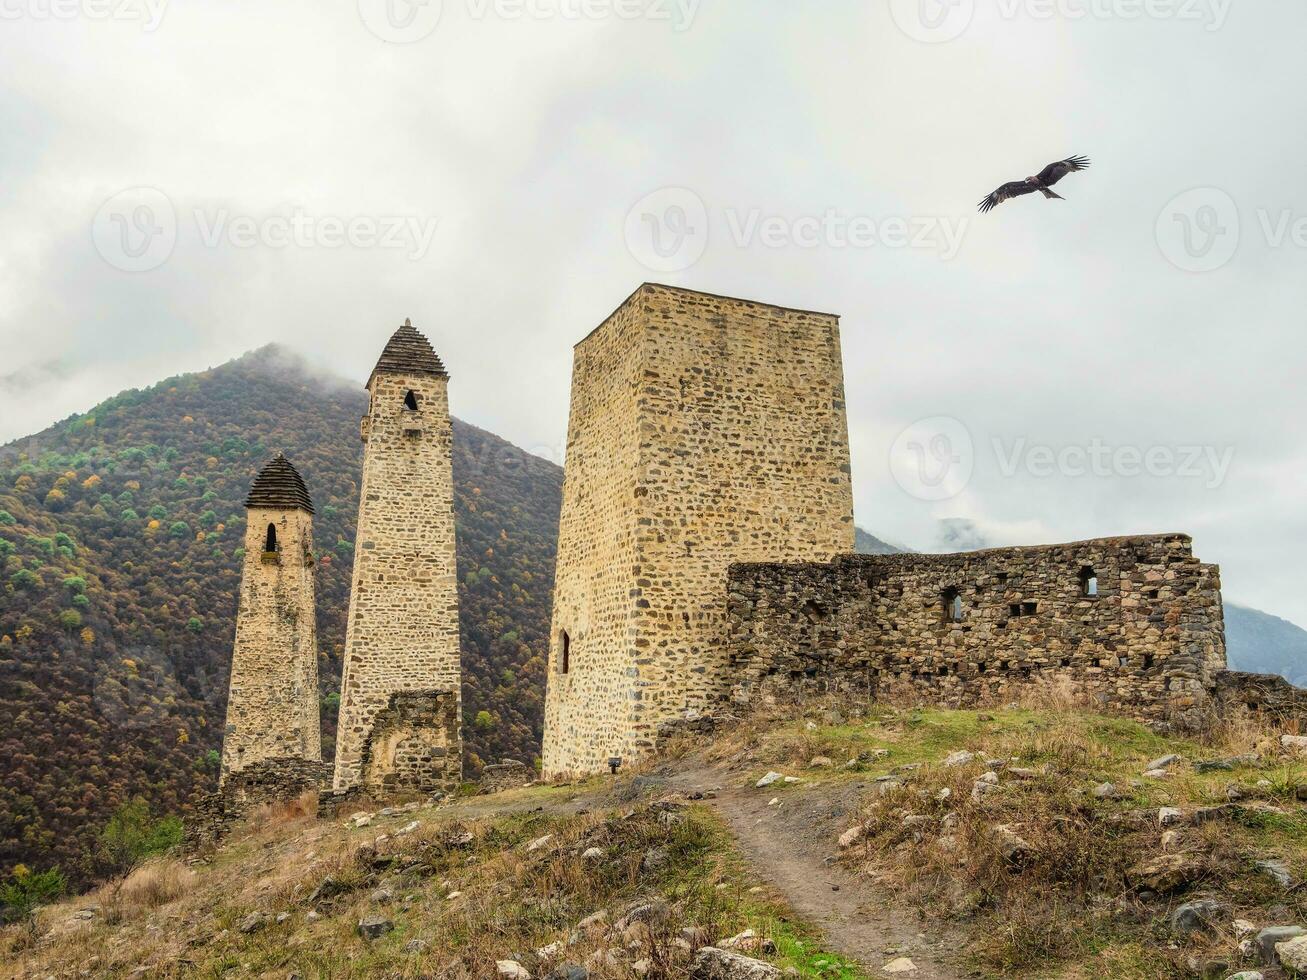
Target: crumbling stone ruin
402	634
272	704
413	745
1133	625
509	774
703	431
708	432
269	782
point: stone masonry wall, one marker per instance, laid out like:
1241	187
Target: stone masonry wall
413	745
986	627
272	704
509	774
267	782
703	431
402	633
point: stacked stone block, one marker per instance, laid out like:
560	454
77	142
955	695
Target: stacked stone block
703	431
1132	625
402	634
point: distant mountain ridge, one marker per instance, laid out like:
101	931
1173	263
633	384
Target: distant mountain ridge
1260	643
120	535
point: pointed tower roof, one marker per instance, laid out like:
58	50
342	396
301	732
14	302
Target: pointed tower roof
408	352
280	487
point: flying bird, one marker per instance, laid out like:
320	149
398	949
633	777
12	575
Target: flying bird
1042	182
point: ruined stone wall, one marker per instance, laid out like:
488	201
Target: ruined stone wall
270	781
402	633
989	626
509	774
703	431
413	745
272	703
1243	695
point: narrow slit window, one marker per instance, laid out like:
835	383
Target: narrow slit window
565	660
411	401
952	606
1088	581
270	539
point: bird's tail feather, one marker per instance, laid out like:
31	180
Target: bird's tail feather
1051	194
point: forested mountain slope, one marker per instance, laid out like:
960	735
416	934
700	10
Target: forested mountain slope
120	537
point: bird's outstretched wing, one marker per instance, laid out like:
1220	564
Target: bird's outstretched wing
1054	172
1011	189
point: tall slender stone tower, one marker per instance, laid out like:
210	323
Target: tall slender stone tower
703	431
272	705
400	703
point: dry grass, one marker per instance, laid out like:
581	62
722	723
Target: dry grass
154	883
466	884
1069	905
1065	893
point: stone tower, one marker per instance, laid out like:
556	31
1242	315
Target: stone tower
272	705
400	703
703	431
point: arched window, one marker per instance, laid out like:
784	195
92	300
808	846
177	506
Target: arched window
411	401
270	541
565	657
1088	581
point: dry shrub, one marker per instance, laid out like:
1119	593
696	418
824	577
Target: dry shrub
282	813
1055	693
156	882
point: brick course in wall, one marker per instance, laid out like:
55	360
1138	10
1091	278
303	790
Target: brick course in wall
703	431
272	702
402	633
1132	624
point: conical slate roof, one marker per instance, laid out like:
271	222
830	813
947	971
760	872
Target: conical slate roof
280	487
408	352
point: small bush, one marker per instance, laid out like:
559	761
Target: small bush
26	891
132	835
156	882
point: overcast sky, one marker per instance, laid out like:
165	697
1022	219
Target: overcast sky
181	183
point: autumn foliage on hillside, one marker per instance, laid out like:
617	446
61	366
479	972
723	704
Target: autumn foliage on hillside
120	548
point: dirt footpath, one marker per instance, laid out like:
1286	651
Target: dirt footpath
792	845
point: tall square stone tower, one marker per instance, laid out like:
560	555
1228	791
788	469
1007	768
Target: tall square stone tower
400	694
272	702
703	431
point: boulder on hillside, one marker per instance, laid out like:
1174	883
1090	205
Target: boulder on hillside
711	963
1168	873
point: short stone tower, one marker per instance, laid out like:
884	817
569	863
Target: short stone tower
272	706
703	431
400	702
